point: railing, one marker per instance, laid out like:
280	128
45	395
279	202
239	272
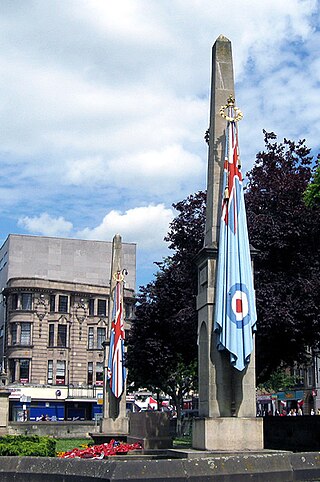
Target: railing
83	392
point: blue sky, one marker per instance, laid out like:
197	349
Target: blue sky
104	105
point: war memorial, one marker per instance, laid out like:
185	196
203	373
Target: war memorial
228	442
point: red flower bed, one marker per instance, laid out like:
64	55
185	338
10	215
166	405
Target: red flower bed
100	451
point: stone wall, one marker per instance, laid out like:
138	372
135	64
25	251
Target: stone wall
269	467
53	429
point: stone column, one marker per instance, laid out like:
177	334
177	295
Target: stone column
224	392
114	421
16	370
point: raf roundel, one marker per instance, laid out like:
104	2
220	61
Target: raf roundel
237	305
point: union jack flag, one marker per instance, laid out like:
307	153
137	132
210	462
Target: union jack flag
235	312
116	372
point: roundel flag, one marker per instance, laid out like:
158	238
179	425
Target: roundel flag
235	313
238	305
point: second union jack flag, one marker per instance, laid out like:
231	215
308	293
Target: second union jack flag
116	372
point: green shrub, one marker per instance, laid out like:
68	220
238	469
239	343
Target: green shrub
27	445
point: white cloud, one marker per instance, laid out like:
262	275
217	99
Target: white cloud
125	19
146	226
46	225
155	172
104	105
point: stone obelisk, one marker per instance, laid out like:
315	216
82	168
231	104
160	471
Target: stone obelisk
227	405
114	421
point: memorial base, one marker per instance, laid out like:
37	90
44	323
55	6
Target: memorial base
152	429
117	426
227	434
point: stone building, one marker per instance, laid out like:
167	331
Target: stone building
54	318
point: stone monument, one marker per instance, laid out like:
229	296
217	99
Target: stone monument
227	397
115	421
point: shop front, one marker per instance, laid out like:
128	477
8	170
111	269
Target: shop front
290	400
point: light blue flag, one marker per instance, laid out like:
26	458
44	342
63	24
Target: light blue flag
235	312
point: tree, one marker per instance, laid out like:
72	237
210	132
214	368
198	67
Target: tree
312	193
279	380
286	234
162	346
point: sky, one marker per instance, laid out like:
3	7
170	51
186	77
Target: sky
104	105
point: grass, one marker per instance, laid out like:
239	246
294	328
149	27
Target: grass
182	442
66	444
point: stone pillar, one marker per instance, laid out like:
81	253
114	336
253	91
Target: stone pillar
114	421
17	370
4	410
224	392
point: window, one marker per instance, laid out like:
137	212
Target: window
99	373
102	307
22	336
51	335
90	338
26	301
14	301
12	370
101	336
25	338
128	310
24	370
62	335
52	303
63	304
61	373
91	307
50	372
90	373
13	329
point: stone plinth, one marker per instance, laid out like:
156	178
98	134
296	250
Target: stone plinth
227	434
150	428
114	427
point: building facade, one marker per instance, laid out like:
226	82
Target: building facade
304	394
54	320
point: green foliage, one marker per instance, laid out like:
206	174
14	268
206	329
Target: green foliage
278	381
27	445
312	193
